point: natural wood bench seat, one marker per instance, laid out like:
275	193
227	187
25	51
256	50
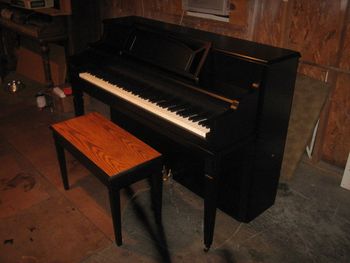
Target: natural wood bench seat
112	154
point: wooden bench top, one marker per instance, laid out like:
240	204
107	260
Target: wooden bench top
111	148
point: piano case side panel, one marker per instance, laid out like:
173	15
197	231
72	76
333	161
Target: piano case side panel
271	136
253	174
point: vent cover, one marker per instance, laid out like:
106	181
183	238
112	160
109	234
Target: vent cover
216	7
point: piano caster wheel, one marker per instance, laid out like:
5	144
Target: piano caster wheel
206	249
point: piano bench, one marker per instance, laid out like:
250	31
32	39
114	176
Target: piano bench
113	155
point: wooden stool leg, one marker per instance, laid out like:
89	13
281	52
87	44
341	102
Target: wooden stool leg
62	162
114	200
156	195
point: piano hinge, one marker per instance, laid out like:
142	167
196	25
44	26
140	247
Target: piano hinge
234	104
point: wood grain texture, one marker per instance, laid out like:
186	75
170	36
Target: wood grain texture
336	145
270	22
168	11
315	29
116	8
239	13
111	148
344	60
161	7
171	11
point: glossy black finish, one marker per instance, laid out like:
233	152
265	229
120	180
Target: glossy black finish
242	90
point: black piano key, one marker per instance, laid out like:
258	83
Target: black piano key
155	93
132	90
199	117
185	112
135	89
177	110
111	79
155	96
188	114
197	112
171	103
150	96
206	125
155	100
98	72
141	90
178	107
209	116
167	97
204	122
192	111
146	93
181	111
167	101
163	104
159	97
193	116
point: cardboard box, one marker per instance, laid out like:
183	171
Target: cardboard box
30	64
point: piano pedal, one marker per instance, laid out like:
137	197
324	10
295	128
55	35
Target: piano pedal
167	174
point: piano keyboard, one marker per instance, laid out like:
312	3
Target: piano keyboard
190	123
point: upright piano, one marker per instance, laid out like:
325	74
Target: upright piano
223	103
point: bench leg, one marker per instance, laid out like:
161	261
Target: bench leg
156	195
114	200
62	162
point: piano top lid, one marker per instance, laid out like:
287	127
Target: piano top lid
244	49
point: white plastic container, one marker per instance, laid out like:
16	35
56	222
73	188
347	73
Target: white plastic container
40	100
345	183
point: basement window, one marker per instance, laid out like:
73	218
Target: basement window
210	9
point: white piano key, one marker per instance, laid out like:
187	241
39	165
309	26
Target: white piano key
183	122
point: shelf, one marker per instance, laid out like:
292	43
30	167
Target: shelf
52	12
63	9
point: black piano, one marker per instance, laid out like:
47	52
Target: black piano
217	105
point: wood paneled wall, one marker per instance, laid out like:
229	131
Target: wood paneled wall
318	29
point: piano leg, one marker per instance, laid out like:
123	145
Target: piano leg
78	101
212	171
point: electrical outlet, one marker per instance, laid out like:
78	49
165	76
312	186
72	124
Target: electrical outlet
345	183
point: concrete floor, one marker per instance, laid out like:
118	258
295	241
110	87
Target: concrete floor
40	222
